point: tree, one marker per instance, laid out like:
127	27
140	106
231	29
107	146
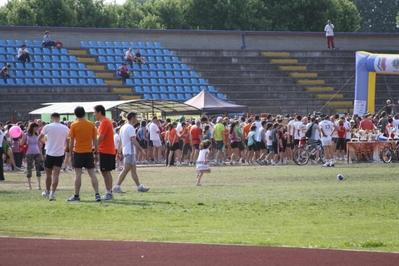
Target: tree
17	13
57	13
170	13
378	15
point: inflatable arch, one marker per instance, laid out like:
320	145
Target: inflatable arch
367	66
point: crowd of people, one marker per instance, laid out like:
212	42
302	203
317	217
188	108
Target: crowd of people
83	146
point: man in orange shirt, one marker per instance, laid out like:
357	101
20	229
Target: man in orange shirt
174	146
106	148
83	136
246	129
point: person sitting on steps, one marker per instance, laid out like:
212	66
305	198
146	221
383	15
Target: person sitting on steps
124	72
139	58
5	72
47	42
23	54
130	57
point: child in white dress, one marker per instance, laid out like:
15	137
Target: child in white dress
203	161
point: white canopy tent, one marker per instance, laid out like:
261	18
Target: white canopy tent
138	106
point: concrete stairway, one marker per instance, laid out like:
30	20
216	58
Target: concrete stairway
282	82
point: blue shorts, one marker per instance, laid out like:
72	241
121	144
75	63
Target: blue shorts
220	144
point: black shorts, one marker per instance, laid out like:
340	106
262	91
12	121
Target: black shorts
186	148
241	145
260	145
335	140
196	146
150	143
252	147
175	146
234	145
85	160
296	142
107	162
341	145
275	147
52	161
246	142
181	144
143	143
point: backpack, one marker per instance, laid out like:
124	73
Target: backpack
308	133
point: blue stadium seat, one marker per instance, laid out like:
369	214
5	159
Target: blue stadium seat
10	82
101	44
55	51
65	82
92	44
184	74
186	82
18	43
169	74
155	89
46	51
55	81
55	74
141	45
35	65
37	43
178	81
111	67
194	81
221	96
28	43
72	58
119	52
109	44
196	89
188	96
167	59
46	81
147	96
91	82
164	97
109	51
101	52
55	58
82	74
82	82
150	52
171	89
168	67
146	89
163	89
158	52
64	66
64	73
211	89
110	59
10	43
2	82
64	51
81	66
153	66
202	81
187	89
150	45
19	81
118	44
167	52
47	66
46	58
161	74
73	82
28	73
93	51
29	82
73	66
125	45
102	59
84	44
99	82
175	59
155	96
73	74
176	67
37	74
11	58
160	67
129	82
11	50
159	59
184	67
154	81
138	89
138	82
19	73
172	97
91	74
158	45
161	82
170	82
2	51
180	97
54	65
193	74
179	89
2	43
178	74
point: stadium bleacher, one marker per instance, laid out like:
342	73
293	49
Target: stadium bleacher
163	76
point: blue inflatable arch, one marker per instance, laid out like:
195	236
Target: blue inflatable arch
367	67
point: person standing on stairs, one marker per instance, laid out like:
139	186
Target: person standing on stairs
329	29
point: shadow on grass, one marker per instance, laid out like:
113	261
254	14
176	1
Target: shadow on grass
141	203
8	192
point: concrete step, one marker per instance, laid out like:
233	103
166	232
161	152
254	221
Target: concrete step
105	74
292	68
303	75
111	82
121	90
129	97
319	89
283	61
310	82
77	52
275	54
95	67
330	96
339	103
87	59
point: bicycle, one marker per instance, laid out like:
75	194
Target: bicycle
390	153
303	153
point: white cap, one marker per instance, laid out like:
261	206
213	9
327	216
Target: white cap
219	119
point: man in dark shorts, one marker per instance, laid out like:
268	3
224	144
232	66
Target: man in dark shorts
106	149
56	145
83	136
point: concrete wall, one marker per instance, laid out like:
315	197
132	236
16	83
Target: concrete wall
190	39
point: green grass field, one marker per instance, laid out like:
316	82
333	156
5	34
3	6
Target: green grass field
300	206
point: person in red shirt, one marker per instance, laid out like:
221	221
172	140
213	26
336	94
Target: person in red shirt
195	139
106	149
124	72
366	123
341	145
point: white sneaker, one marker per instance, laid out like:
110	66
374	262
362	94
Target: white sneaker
326	165
51	198
45	194
118	190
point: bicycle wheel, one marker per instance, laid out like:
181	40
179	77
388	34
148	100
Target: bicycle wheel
322	155
300	156
386	155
